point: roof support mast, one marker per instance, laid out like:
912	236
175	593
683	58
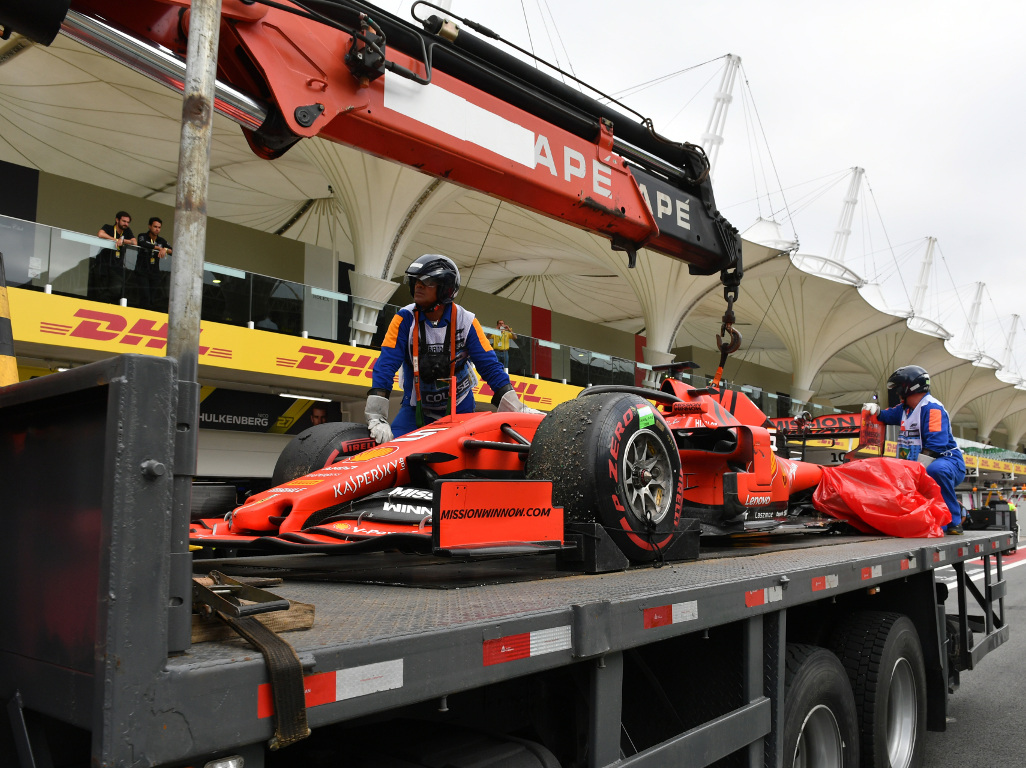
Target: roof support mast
843	232
924	278
713	136
1006	359
974	321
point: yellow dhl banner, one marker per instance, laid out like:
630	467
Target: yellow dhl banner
78	323
995	465
971	462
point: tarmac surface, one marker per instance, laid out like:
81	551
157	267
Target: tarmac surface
987	714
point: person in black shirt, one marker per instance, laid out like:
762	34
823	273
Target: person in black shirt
152	248
109	272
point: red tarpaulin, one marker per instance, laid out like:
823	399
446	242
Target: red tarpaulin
883	495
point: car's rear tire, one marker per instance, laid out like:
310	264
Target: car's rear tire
820	725
319	446
613	461
884	661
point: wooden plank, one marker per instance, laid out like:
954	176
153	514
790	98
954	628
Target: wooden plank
299	616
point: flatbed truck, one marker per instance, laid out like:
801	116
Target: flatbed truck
810	651
816	650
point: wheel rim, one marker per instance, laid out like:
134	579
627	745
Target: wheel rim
647	477
819	744
902	714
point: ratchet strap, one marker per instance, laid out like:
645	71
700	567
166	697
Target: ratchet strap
223	598
286	673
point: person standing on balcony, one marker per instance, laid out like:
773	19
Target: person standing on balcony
925	434
152	248
109	272
500	343
433	340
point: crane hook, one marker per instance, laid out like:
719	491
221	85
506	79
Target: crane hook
735	339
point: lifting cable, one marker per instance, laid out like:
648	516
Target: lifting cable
559	37
638	88
480	250
887	237
530	38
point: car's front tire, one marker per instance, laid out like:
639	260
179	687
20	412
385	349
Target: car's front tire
613	460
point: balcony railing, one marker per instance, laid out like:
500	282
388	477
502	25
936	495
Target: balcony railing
60	261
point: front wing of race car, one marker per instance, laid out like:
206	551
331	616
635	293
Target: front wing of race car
464	517
377	500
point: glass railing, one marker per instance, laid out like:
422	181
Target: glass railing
59	261
985	451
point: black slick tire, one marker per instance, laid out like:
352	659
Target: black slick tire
884	662
820	725
319	446
613	461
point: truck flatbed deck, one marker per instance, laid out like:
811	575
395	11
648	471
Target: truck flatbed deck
353	612
403	622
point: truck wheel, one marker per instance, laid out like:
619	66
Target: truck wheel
614	462
319	446
884	662
820	726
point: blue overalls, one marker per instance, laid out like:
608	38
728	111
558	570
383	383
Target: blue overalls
927	429
471	344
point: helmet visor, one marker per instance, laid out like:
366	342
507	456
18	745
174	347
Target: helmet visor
427	282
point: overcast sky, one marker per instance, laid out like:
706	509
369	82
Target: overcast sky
928	97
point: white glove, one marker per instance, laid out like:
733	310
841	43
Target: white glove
377	418
872	408
510	402
924	459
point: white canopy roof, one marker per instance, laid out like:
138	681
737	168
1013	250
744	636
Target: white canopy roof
71	112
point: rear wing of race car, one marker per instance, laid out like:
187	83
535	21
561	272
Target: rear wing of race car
842	426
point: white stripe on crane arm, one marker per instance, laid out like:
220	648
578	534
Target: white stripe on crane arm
443	110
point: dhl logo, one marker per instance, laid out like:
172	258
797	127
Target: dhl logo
106	326
355	364
525	391
322	360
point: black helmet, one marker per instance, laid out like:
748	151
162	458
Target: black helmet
442	269
909	380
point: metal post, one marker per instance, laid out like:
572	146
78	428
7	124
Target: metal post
187	291
754	652
606	707
8	362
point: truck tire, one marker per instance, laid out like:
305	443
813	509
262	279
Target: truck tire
319	446
614	462
820	725
884	661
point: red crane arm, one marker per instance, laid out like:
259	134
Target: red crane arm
336	78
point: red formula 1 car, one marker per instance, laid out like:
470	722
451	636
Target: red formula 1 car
512	482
